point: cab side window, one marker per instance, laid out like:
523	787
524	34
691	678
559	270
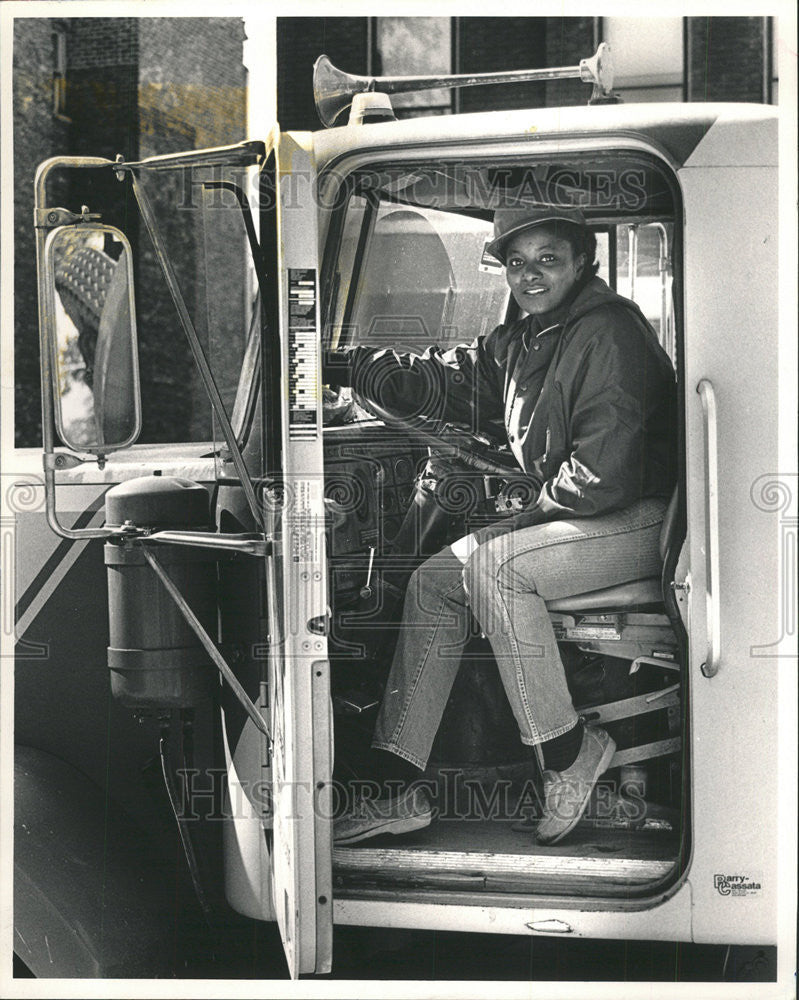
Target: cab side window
635	259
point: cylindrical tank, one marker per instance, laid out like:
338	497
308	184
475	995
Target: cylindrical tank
155	659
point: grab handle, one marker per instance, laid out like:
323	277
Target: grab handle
712	598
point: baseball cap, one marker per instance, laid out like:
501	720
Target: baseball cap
509	221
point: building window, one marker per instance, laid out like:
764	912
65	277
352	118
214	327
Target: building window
416	46
647	57
60	72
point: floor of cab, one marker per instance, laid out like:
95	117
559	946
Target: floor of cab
492	856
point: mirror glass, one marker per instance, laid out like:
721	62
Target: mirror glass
92	332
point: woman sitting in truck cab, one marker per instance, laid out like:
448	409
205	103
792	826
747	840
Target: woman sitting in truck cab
588	399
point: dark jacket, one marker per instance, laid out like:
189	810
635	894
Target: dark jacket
589	406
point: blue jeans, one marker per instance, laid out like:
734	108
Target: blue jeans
505	584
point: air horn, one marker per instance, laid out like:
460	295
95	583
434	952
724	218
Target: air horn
334	89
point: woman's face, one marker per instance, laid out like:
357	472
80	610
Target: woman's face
541	269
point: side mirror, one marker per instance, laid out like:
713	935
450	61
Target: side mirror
90	325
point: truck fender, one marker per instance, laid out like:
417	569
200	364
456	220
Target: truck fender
89	898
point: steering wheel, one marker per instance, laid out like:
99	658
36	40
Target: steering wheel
478	451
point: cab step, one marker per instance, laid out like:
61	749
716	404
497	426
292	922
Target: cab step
486	857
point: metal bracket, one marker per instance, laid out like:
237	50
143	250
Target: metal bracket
62	461
51	218
208	644
645	752
50	462
243	543
626	708
247	543
655	660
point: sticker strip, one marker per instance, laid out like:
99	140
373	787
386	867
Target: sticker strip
303	356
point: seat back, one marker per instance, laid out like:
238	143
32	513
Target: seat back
669	527
624	596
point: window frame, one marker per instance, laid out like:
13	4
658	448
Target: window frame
607	223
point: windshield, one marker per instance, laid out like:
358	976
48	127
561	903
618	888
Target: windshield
417	280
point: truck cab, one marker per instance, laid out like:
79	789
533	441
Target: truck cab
254	581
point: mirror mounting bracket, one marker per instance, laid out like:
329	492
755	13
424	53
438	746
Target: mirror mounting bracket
87	216
61	460
74	534
51	218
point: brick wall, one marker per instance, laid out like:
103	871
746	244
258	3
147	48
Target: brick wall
99	119
136	86
37	135
102	41
102	87
191	81
569	39
494	44
101	102
300	41
725	58
192	94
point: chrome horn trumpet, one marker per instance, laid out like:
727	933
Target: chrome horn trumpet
334	89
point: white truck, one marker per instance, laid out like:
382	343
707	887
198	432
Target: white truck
252	580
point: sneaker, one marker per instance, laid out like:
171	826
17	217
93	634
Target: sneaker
410	810
566	793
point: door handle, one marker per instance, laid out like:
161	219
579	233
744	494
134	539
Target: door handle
712	598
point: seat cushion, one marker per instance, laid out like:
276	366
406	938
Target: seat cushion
625	595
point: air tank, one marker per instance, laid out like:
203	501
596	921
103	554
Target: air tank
154	657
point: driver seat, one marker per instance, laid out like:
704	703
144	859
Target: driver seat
629	622
635	593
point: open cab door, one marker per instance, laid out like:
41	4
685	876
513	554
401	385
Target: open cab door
299	684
